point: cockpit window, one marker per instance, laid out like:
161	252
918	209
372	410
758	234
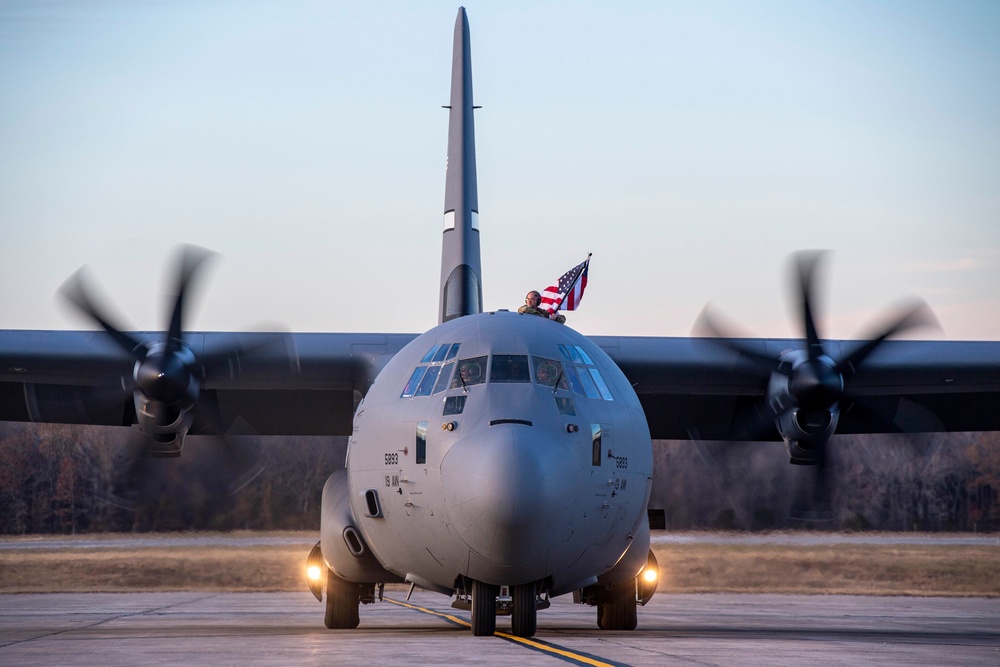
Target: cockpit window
602	386
584	376
573	378
443	377
411	386
571	353
548	372
510	368
589	388
453	405
425	378
470	371
565	406
427	384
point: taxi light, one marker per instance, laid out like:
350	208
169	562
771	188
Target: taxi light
316	572
646	582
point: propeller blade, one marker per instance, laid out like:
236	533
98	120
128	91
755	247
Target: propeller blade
806	262
232	355
709	327
191	259
914	314
815	496
213	469
75	290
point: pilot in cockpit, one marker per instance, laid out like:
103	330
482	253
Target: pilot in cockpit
470	372
546	374
532	301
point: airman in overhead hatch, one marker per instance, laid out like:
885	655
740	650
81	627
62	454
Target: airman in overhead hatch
532	301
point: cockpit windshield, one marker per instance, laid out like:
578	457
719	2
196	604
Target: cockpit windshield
575	372
510	368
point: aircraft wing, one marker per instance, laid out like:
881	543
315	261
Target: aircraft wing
309	384
697	388
257	383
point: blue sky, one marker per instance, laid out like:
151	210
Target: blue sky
690	146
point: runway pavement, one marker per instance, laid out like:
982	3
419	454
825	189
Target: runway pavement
287	629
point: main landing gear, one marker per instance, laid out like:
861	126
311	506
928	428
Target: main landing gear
616	603
342	602
343	599
616	607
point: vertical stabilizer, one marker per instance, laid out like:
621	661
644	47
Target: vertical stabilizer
461	273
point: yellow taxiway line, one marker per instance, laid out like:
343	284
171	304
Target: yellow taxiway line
535	644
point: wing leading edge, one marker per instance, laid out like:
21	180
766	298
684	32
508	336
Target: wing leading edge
694	388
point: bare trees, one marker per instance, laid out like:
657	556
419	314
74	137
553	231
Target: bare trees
901	482
69	479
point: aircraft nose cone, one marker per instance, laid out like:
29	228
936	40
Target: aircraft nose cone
503	490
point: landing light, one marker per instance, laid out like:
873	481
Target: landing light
315	571
646	582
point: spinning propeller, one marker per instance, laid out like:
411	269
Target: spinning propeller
166	375
167	383
807	389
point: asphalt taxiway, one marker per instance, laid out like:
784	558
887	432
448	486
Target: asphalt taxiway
287	628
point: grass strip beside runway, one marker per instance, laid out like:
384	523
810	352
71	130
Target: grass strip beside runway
935	570
926	570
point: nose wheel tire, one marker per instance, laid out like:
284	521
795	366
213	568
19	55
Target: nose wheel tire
524	615
484	608
618	610
342	602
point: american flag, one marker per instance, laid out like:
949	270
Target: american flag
567	294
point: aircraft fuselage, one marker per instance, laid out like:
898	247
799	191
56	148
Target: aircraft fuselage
503	448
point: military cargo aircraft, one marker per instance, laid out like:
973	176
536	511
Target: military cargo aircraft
500	458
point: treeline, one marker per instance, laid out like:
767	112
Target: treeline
71	479
925	482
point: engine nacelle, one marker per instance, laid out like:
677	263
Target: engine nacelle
344	549
166	424
806	433
804	398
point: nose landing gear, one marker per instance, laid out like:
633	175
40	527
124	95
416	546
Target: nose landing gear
487	601
484	608
523	619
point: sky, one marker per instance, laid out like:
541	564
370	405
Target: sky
690	146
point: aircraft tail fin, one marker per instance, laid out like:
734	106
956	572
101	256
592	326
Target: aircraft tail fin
461	272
